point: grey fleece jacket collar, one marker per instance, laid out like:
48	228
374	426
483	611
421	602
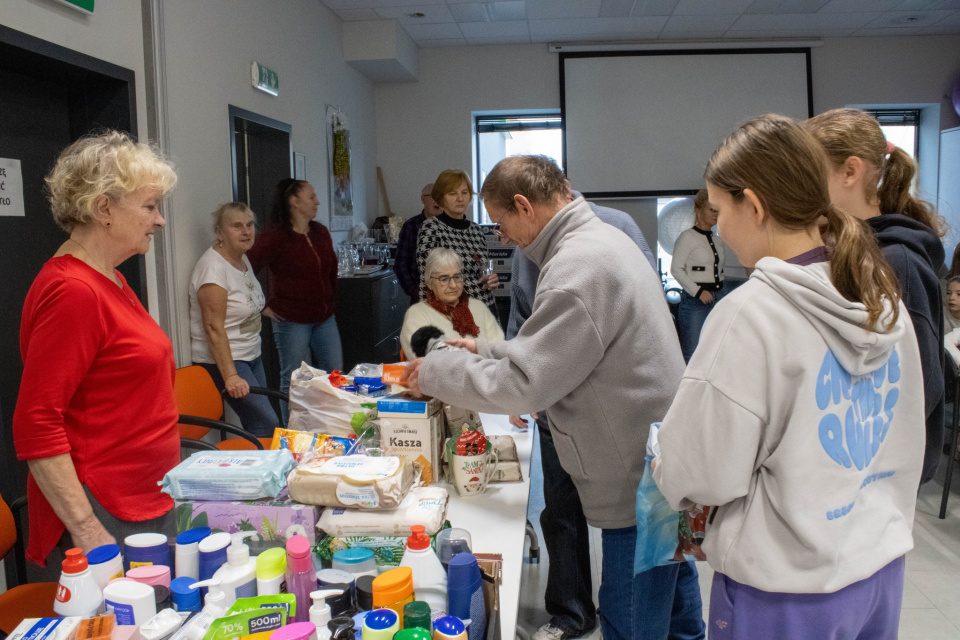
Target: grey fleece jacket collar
570	217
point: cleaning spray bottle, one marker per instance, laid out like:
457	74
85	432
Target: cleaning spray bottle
429	577
238	577
320	612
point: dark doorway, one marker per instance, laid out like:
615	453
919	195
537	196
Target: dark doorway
49	97
262	157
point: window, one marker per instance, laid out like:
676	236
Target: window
900	126
502	135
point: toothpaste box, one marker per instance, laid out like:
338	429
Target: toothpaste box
46	629
274	519
413	428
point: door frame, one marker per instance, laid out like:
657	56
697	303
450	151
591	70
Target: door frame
233	113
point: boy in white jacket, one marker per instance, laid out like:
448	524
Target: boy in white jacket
801	415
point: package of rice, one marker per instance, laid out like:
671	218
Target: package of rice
229	475
426	506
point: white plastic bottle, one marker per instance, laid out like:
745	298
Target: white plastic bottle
429	578
78	593
320	612
238	578
196	627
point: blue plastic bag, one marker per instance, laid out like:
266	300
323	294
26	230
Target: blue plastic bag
657	525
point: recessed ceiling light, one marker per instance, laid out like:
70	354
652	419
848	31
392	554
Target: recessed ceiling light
416	15
907	19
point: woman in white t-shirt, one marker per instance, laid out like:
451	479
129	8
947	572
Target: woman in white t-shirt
225	304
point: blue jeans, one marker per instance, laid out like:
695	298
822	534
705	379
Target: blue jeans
316	344
255	413
691	315
658	604
569	594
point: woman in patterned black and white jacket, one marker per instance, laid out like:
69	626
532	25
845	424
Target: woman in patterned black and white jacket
453	230
698	267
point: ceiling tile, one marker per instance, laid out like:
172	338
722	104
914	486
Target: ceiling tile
917	5
884	33
436	44
940	31
629	27
848	6
774	34
949	4
355	15
514	29
808	22
559	9
901	19
432	14
654	7
616	8
511	10
595	37
499	40
337	5
952	20
786	6
709	7
697	25
440	31
470	12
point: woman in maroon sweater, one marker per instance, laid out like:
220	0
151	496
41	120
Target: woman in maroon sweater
96	419
302	295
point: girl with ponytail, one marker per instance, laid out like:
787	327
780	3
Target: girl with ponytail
869	179
810	377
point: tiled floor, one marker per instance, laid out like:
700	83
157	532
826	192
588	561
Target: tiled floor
931	590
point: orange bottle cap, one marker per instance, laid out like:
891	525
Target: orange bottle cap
392	586
75	561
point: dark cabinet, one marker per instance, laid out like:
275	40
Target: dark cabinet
369	317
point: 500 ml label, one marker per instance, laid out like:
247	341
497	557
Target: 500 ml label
266	622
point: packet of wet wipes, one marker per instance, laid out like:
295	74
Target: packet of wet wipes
229	475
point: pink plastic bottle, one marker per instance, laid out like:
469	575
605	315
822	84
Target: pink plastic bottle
300	575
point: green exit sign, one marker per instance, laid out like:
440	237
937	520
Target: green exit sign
83	5
264	79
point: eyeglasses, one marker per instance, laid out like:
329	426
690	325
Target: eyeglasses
497	230
445	280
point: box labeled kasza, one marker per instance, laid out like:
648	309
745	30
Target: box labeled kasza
413	428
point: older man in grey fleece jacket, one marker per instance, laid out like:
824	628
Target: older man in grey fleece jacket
599	350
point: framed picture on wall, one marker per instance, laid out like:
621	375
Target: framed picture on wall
341	186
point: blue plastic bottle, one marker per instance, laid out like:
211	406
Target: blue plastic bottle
465	594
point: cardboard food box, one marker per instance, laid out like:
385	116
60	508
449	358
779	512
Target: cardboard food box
413	428
274	519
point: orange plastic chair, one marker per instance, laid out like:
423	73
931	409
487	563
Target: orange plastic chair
201	408
25	600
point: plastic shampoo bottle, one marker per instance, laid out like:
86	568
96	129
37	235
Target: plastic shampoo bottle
238	577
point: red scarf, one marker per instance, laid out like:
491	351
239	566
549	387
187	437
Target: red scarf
459	313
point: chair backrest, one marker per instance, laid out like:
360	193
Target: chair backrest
8	529
196	395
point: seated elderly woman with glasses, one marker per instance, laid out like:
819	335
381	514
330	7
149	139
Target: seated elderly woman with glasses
447	306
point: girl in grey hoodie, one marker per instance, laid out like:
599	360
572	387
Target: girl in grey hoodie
799	415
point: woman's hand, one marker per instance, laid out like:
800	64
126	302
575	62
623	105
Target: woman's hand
464	343
236	386
490	281
411	377
95	537
268	313
706	297
519	423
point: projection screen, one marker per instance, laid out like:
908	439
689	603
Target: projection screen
644	123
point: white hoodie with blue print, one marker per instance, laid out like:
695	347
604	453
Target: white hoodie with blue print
806	429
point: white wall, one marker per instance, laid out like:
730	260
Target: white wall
209	47
424	127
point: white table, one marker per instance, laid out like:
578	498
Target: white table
497	519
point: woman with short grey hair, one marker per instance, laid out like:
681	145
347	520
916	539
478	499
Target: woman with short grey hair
447	307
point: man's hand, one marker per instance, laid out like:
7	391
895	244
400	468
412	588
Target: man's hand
236	386
411	376
464	343
519	423
490	281
91	536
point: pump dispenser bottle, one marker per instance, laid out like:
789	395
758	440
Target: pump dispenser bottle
320	612
238	577
301	578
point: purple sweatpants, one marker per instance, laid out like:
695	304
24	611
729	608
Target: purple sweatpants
866	610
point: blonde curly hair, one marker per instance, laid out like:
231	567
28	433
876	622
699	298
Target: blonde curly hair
110	164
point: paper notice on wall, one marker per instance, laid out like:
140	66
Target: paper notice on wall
11	188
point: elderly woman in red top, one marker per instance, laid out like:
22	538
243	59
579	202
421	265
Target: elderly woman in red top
96	417
302	296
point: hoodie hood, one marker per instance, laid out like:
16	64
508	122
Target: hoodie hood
841	322
894	228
